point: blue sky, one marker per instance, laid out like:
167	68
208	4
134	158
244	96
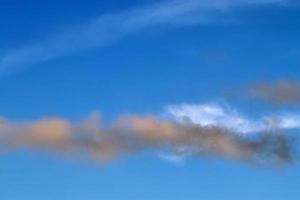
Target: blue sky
67	59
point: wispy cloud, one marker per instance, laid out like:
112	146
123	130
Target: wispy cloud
112	27
282	92
231	119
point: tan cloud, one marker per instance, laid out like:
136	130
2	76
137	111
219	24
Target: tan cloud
279	93
150	129
134	134
4	127
48	132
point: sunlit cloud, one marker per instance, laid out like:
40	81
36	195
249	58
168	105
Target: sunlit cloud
231	119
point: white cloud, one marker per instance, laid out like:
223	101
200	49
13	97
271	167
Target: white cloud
229	118
112	27
176	159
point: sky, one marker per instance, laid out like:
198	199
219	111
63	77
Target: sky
149	99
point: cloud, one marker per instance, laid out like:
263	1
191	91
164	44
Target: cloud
112	27
177	159
133	134
207	115
282	92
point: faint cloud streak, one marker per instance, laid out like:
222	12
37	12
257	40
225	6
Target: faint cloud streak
282	92
112	27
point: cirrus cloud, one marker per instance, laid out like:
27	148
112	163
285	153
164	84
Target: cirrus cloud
111	27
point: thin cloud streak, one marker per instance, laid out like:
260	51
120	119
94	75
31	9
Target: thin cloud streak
110	28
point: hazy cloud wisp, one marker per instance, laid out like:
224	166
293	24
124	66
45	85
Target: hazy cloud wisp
109	28
281	92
